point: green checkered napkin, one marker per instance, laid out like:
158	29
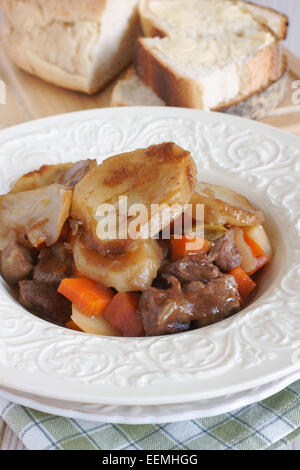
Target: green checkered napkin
271	424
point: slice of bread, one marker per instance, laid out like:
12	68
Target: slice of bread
208	73
77	44
203	18
131	91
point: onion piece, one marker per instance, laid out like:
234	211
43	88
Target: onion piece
93	325
258	234
249	261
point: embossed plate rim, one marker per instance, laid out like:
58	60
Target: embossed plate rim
153	414
79	366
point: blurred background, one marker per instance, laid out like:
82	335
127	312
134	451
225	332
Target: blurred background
292	9
289	7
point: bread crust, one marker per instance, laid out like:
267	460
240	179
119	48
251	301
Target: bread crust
44	70
254	106
177	90
151	30
284	19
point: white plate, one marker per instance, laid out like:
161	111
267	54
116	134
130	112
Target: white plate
154	414
259	345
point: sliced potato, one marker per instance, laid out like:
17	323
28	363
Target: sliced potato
160	174
223	206
132	271
93	325
36	216
62	173
258	234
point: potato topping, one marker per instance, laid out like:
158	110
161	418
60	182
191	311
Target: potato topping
132	271
64	173
223	206
160	174
36	216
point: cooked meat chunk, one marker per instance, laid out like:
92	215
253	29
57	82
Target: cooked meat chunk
16	262
43	298
172	310
68	174
214	301
55	263
164	311
225	254
190	268
36	216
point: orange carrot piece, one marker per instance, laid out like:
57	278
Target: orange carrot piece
88	296
184	246
122	314
72	326
255	248
245	284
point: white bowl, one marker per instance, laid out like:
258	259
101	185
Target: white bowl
250	349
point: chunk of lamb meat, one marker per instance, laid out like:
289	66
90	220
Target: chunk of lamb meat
225	254
196	267
172	310
54	264
214	301
16	262
164	311
43	298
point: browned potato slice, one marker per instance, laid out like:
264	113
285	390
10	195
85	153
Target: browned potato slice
37	216
160	174
132	271
64	173
224	206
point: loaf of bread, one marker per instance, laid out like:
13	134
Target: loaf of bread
77	44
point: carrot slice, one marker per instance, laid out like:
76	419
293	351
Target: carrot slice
122	314
184	246
88	296
245	284
255	248
72	326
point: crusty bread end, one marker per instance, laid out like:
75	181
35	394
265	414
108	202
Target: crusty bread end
77	44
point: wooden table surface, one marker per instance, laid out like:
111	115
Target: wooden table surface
29	98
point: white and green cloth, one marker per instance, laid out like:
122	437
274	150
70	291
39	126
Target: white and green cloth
270	424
